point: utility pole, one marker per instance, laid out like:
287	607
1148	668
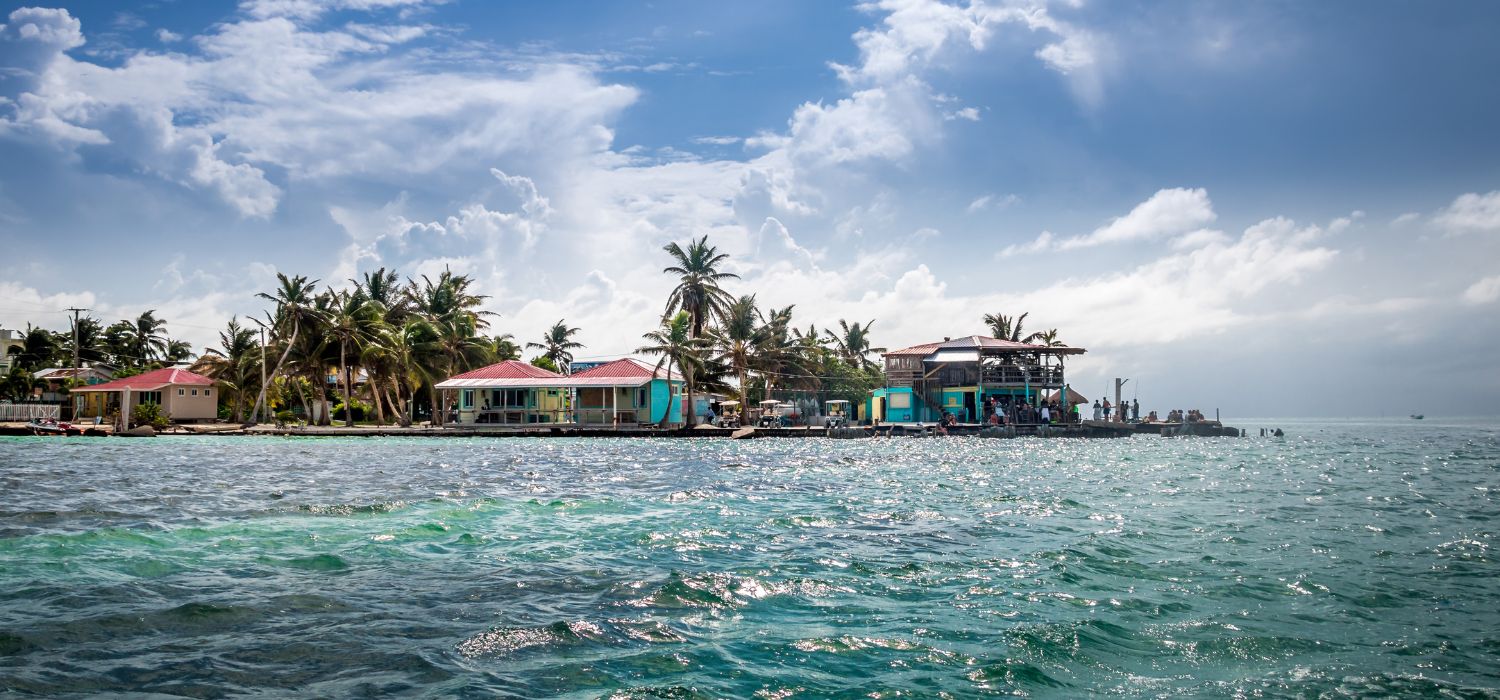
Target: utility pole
260	411
1119	407
75	334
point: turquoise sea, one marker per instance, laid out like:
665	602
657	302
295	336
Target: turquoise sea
1349	559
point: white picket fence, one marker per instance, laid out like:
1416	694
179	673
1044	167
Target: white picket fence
21	412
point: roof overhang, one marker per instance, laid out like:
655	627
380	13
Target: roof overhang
949	356
606	382
512	383
100	388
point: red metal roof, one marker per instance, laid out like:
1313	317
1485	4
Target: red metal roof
626	371
509	369
923	349
149	381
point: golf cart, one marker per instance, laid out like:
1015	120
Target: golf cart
729	414
770	414
838	413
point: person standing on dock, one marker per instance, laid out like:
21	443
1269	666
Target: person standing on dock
1107	406
1135	410
1097	409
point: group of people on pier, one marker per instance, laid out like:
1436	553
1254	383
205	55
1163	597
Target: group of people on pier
1126	412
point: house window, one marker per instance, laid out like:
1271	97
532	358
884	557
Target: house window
150	397
508	398
467	400
640	398
180	392
195	393
899	401
206	391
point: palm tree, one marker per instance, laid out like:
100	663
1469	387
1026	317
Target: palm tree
446	298
1046	339
416	359
1008	328
353	323
675	343
146	339
504	347
557	344
234	363
91	347
382	287
737	339
295	307
698	291
852	343
117	344
177	351
40	349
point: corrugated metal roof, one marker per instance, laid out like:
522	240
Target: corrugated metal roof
621	369
626	371
509	369
149	381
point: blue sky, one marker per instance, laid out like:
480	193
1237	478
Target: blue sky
1200	193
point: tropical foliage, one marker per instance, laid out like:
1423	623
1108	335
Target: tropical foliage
1012	328
698	277
380	344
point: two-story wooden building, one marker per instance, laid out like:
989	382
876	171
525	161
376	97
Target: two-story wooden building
957	375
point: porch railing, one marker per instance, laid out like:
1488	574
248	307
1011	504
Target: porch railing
18	412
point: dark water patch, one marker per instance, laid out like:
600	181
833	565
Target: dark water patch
317	562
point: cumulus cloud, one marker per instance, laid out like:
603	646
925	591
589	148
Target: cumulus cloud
1485	291
1169	212
1471	213
268	94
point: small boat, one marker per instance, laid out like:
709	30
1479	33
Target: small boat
51	426
1417	416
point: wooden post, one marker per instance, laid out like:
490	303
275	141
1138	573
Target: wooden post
125	409
614	412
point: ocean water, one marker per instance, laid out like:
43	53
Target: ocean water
1351	559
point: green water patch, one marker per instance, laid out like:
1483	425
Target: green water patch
316	562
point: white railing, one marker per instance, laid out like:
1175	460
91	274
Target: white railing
17	412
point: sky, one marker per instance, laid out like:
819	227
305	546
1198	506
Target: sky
1270	209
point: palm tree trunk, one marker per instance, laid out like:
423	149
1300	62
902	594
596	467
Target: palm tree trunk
403	417
261	400
374	383
348	393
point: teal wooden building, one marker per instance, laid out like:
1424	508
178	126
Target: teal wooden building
957	375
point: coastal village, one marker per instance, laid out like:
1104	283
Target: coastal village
385	356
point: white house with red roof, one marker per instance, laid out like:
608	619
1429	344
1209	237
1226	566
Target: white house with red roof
510	392
625	392
183	395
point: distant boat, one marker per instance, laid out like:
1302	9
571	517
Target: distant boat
1417	416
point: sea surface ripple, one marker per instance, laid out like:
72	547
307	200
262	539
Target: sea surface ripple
1350	559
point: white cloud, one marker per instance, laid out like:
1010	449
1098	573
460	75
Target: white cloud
1405	219
166	36
1471	213
1169	212
990	201
1485	291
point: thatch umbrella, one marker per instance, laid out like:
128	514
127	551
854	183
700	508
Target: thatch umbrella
1074	398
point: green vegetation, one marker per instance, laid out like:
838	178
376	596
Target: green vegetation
150	414
385	343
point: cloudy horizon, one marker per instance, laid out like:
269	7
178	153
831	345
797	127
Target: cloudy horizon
1268	209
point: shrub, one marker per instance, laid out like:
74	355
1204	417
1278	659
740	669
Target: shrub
360	409
150	414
